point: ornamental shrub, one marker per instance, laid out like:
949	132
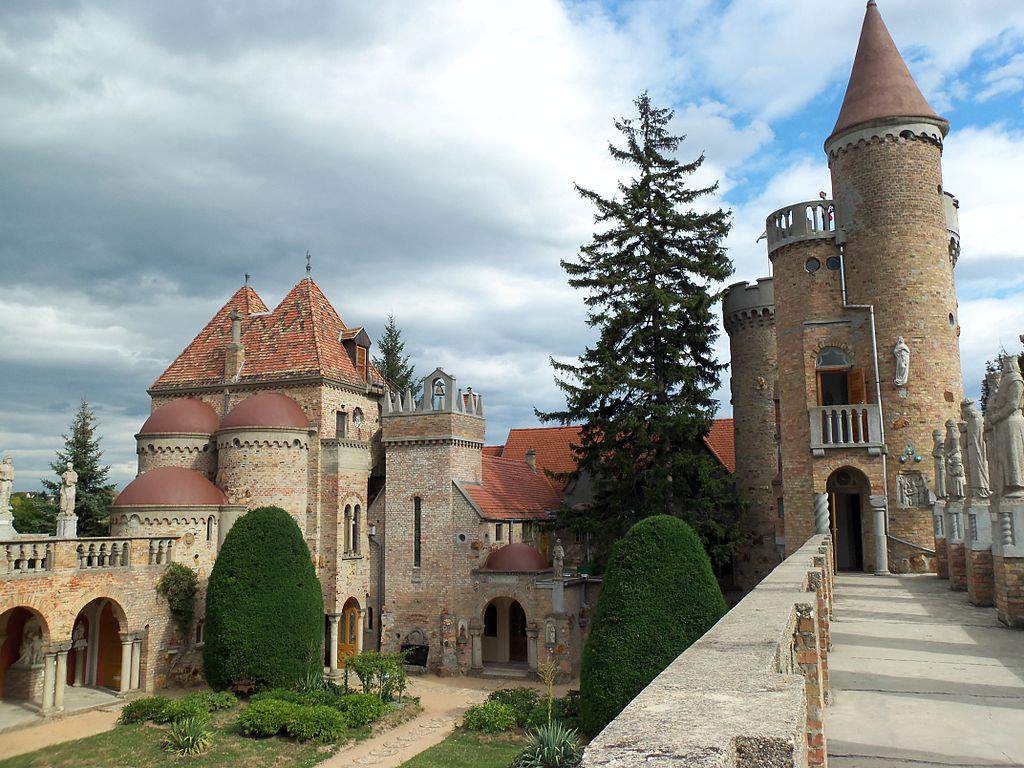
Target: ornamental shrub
140	710
490	717
188	737
565	710
179	709
264	608
178	585
266	717
522	700
551	746
658	596
318	723
360	709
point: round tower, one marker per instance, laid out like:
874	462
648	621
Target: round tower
896	227
178	434
263	455
748	312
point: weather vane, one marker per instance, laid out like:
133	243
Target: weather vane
309	264
247	276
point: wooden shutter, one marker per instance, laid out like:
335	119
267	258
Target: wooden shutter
857	386
361	362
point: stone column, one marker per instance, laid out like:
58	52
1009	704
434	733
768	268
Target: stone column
126	662
1009	563
881	540
360	626
531	645
92	651
476	634
978	552
81	660
136	664
49	674
333	620
821	519
61	676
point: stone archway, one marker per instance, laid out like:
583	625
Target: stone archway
849	491
24	645
504	639
103	653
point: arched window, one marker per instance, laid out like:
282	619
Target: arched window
437	391
209	528
417	532
355	529
491	620
199	632
369	617
348	528
839	383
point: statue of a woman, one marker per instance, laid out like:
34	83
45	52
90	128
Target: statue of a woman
68	490
977	455
902	354
939	457
1009	428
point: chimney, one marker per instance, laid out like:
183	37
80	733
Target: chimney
234	355
531	459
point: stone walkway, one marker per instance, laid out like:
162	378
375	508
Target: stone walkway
921	678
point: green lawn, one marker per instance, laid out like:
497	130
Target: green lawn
469	750
138	746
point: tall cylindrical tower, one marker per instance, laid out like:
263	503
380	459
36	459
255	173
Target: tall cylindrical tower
749	317
896	226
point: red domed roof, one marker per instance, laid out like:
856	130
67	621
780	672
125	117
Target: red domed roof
186	416
267	409
516	558
170	486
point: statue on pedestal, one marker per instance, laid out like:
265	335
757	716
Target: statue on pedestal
67	520
6	487
901	352
558	558
977	453
1008	429
954	463
939	457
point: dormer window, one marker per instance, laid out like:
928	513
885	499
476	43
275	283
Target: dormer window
357	344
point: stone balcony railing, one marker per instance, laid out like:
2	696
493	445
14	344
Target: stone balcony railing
845	426
812	220
750	692
28	555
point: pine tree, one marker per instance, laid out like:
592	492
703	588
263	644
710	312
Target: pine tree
393	364
94	494
643	391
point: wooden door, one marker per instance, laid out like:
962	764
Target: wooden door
857	386
347	642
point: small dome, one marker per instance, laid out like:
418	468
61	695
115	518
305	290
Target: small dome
184	416
516	558
267	409
170	487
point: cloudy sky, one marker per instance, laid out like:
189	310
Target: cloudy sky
424	153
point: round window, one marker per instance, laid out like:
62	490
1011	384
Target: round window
832	262
812	265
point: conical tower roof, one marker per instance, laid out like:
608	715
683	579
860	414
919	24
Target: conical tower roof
881	87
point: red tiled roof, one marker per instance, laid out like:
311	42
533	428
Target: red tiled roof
492	450
300	337
553	445
512	491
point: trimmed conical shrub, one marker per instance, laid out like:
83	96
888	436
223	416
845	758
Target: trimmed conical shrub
264	607
658	596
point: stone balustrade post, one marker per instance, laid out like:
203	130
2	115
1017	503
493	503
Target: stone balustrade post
821	516
878	509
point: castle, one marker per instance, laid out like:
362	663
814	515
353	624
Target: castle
847	357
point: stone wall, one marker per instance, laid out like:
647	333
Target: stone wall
750	693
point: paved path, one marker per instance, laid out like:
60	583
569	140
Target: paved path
920	677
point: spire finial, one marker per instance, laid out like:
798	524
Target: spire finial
247	276
309	264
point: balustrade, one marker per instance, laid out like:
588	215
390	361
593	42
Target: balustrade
26	555
29	556
845	426
813	220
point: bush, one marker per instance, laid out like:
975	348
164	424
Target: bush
188	736
215	701
380	673
490	717
318	723
266	718
278	694
522	700
553	746
658	596
360	709
180	709
264	607
565	711
141	710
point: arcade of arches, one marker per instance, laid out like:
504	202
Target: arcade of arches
36	668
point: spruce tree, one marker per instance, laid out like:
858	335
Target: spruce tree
392	363
643	392
94	494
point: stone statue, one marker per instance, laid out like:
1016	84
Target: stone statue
32	653
957	477
904	491
1008	429
6	484
938	455
78	636
68	489
902	354
954	462
558	557
977	454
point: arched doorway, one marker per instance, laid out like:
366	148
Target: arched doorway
504	638
350	631
848	491
96	659
24	637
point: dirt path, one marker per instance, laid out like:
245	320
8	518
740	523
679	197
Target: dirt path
443	701
47	734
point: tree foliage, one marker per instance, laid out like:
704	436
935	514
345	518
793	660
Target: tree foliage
264	607
178	585
658	597
393	364
33	514
643	392
94	494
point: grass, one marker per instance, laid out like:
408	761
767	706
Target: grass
132	746
463	749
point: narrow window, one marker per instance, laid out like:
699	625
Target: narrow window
361	362
499	532
341	424
355	529
491	620
199	632
369	618
417	544
209	528
348	529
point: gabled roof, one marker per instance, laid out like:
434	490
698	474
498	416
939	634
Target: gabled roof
512	491
721	440
301	337
880	85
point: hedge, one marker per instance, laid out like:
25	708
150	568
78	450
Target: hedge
658	597
264	607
